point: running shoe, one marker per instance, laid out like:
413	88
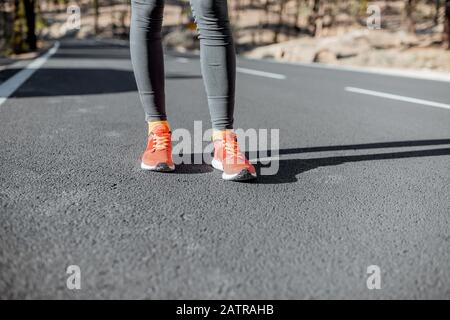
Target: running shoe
229	159
158	155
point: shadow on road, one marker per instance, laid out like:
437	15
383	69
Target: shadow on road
290	168
376	145
194	168
49	82
92	50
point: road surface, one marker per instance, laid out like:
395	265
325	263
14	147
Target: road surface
364	179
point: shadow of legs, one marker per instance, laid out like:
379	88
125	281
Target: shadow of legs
289	169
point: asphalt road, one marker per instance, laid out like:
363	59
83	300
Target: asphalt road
363	180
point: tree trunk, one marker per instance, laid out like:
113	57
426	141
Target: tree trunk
96	14
409	9
3	26
17	43
279	26
30	16
436	13
265	21
297	15
315	20
447	23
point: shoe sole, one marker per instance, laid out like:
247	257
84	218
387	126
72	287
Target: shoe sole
244	175
160	167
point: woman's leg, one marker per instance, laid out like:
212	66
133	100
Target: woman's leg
218	59
147	56
148	64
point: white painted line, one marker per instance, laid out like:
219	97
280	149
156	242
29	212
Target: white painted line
402	73
12	84
182	60
264	160
261	73
397	97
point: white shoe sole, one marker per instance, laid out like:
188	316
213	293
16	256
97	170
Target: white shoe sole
160	167
240	176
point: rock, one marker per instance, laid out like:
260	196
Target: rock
358	48
325	56
383	40
182	40
408	39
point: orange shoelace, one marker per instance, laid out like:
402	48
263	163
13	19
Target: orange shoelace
232	150
161	141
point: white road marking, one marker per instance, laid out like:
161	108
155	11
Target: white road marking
182	60
264	160
12	84
397	97
261	73
402	73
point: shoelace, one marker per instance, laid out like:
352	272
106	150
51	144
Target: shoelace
161	141
232	150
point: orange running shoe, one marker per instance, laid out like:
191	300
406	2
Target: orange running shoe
158	155
229	159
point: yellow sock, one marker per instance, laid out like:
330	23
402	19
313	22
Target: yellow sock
152	124
218	134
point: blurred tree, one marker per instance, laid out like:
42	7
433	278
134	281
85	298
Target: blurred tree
437	11
18	44
363	7
447	23
6	24
279	26
266	10
409	18
30	15
96	14
298	11
261	20
315	19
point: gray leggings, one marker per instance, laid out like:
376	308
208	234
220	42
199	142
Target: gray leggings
217	54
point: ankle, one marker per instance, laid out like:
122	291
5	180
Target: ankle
218	134
153	124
